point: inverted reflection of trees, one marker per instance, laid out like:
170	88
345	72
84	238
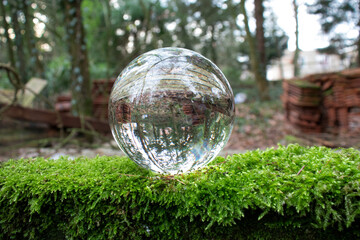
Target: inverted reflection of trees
170	131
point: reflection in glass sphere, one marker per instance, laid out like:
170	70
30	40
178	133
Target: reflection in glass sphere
171	110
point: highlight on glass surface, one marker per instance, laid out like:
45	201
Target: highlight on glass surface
171	110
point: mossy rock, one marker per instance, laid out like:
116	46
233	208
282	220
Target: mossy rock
290	192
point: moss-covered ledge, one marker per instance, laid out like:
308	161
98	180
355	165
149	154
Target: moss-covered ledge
290	192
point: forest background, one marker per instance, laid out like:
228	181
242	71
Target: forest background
70	43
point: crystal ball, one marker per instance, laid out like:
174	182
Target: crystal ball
171	110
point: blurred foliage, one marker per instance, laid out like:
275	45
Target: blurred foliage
246	86
333	16
58	74
118	31
4	82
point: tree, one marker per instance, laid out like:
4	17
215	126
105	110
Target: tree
9	42
25	56
183	11
210	19
36	67
333	16
118	31
297	49
80	76
261	82
20	62
260	36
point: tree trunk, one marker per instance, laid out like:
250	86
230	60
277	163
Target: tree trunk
185	37
358	41
186	40
358	51
213	45
20	63
146	27
260	37
9	42
80	76
297	50
108	31
36	65
261	82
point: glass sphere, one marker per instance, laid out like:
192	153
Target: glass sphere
171	110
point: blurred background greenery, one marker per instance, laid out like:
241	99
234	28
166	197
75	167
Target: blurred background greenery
70	43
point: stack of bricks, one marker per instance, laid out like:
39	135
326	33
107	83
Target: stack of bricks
324	102
100	97
63	104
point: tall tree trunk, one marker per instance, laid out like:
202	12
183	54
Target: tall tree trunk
9	42
297	50
20	63
108	32
358	51
261	82
185	37
213	45
146	26
80	76
358	40
37	66
260	37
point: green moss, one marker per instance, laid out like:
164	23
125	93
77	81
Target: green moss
304	84
286	193
328	92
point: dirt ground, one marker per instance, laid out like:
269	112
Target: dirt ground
255	127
